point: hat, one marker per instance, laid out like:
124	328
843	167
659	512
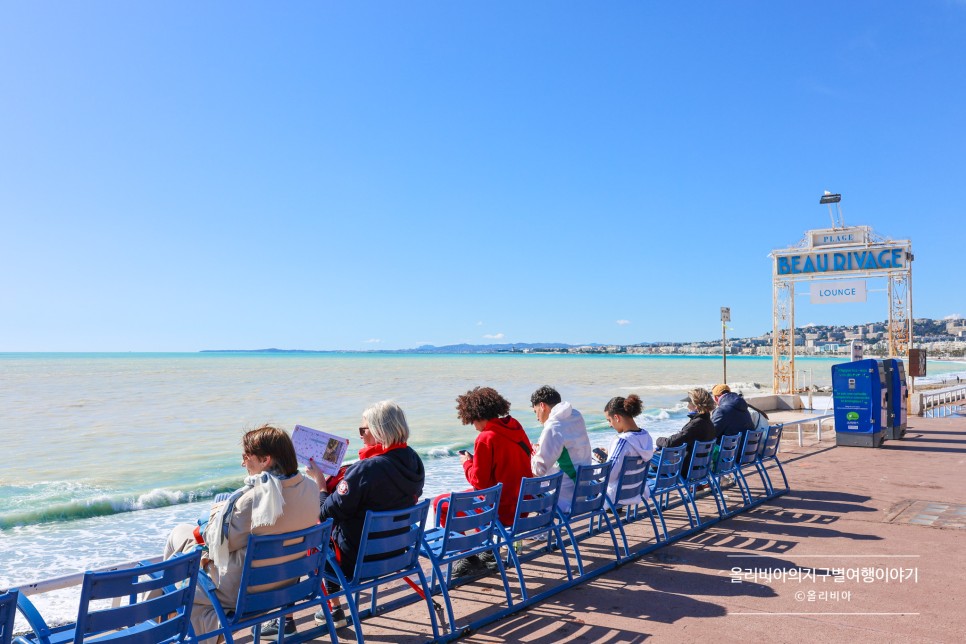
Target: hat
686	399
717	390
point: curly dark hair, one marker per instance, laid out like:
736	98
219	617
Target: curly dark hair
545	394
628	407
481	403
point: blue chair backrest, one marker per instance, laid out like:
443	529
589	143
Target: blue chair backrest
749	452
769	446
390	542
471	518
8	610
700	466
293	560
537	502
630	482
179	574
728	453
667	472
590	488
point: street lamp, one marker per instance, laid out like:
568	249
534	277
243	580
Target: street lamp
725	318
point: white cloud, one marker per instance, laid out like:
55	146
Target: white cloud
480	323
373	341
954	316
494	336
623	322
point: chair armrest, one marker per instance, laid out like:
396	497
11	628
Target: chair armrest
34	619
206	584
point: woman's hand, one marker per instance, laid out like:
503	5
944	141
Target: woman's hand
317	475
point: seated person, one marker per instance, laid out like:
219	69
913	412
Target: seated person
631	440
564	443
731	415
390	480
275	499
698	428
501	454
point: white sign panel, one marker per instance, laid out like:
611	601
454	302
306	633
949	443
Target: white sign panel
835	292
856	350
839	236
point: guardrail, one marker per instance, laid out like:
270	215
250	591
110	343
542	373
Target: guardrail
75	579
929	401
814	420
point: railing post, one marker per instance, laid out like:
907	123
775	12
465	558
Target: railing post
818	432
800	442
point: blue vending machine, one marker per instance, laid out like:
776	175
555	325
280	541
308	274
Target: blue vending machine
858	393
896	397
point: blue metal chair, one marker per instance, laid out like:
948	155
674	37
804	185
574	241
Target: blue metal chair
727	465
8	610
388	551
629	495
748	457
590	502
666	479
291	565
768	451
470	529
138	620
699	473
536	518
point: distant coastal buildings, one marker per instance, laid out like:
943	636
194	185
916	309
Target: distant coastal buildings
942	338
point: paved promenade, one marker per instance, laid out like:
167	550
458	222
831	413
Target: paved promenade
890	520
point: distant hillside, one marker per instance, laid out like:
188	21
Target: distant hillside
517	347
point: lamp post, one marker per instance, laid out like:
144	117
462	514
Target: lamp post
725	318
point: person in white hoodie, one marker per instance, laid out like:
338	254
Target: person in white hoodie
564	443
631	440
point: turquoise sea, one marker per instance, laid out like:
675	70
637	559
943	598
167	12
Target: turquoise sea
104	453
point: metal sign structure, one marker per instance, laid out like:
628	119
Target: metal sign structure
838	253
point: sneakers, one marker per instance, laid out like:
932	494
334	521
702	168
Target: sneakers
470	566
338	618
270	628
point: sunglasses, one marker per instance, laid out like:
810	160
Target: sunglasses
363	430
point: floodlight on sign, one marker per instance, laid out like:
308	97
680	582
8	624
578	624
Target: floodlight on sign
829	198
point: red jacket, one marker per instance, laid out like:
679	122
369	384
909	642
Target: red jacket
501	455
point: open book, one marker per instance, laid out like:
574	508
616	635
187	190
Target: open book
327	450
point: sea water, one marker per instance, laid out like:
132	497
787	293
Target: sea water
104	453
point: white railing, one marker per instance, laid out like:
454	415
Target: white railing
941	398
814	420
75	579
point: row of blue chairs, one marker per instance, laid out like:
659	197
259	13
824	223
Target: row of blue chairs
285	573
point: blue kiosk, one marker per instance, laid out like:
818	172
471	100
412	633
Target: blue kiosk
896	397
858	393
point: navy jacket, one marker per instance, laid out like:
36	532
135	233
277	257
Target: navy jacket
390	481
731	416
699	428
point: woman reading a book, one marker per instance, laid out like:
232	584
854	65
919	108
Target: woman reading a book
389	477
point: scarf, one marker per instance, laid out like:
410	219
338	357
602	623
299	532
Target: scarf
266	510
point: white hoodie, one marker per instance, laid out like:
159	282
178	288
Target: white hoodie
624	444
564	445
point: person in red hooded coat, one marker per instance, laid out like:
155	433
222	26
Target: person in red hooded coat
501	453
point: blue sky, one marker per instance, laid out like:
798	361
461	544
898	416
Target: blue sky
359	175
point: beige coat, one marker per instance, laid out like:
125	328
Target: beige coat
301	510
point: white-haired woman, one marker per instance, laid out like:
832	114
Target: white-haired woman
390	480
